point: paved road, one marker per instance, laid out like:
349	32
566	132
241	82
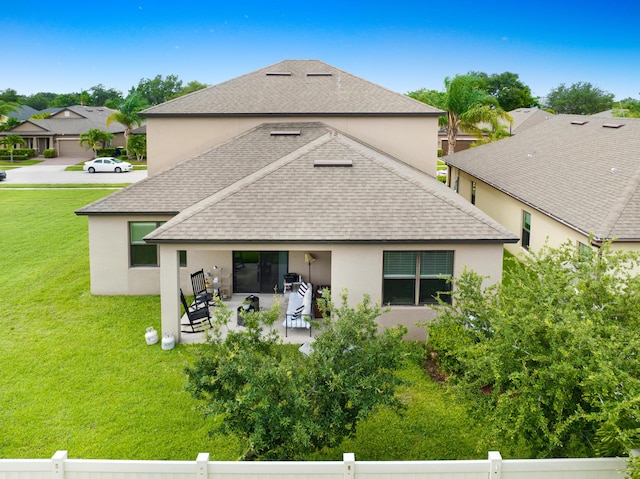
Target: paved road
51	171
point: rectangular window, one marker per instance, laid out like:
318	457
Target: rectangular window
526	230
144	254
473	192
456	184
412	277
584	251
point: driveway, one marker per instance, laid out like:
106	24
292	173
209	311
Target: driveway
51	171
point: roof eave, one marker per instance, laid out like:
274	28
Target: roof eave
291	114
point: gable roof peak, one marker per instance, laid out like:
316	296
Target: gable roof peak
294	87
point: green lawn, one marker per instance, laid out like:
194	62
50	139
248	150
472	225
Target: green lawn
76	373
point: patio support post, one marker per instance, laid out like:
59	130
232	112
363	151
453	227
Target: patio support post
169	290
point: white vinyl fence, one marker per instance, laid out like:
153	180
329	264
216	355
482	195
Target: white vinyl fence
494	467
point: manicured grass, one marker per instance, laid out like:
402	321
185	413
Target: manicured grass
18	163
84	186
76	373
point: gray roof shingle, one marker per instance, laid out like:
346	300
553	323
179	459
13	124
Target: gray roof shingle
310	87
585	175
265	188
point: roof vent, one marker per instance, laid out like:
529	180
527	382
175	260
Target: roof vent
319	74
285	132
343	163
278	74
612	125
579	122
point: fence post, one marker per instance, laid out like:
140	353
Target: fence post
202	465
495	465
349	460
57	461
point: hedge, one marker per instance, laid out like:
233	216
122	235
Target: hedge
18	153
50	153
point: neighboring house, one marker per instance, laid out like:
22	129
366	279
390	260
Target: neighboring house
570	177
61	131
523	118
259	192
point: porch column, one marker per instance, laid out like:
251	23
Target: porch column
170	290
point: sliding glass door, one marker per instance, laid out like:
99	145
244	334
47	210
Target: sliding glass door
259	271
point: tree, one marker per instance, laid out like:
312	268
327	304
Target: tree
100	96
7	107
627	108
10	123
159	89
65	99
137	146
551	356
283	404
508	90
467	105
40	101
9	95
580	99
190	88
94	139
128	114
10	141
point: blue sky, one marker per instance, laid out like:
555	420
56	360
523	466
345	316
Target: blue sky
69	46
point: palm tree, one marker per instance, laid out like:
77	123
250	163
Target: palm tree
10	141
128	114
467	104
7	107
94	139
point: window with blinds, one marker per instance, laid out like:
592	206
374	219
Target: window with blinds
416	277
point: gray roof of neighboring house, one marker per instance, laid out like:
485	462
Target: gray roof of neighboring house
261	187
524	118
24	112
584	175
92	117
294	87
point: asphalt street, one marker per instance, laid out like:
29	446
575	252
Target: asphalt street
51	171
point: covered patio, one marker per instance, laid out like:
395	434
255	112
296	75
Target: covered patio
235	301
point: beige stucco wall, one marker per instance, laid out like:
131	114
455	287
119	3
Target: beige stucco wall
355	268
508	212
109	258
411	139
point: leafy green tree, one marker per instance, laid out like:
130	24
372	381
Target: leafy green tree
95	139
581	98
551	356
627	108
158	90
190	88
467	105
10	141
100	96
40	116
10	95
284	404
40	101
137	146
65	99
507	88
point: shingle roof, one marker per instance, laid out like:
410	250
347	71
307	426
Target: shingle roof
585	175
264	188
294	87
92	117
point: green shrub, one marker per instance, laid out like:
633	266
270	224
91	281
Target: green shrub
440	152
106	152
18	153
50	153
446	343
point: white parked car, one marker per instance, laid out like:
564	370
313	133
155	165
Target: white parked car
108	163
